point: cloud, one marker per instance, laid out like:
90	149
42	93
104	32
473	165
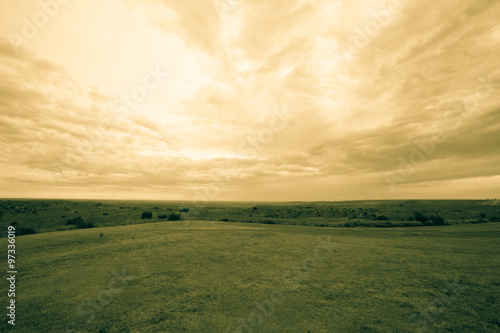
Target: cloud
274	100
53	124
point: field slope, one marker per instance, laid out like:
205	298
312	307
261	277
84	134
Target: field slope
201	276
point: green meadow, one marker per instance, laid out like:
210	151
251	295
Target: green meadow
53	215
215	276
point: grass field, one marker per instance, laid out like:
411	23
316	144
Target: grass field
52	215
206	276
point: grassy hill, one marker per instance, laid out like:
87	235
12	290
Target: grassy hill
199	276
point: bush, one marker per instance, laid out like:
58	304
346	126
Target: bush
74	221
162	216
83	225
25	231
79	223
268	222
382	218
494	219
437	220
420	217
174	217
384	225
185	210
147	215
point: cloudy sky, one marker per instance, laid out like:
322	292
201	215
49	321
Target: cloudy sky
250	99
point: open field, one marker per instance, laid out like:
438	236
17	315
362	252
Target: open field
51	215
202	276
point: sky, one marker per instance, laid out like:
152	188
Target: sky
246	100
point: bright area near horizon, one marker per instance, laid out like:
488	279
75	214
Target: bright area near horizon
249	100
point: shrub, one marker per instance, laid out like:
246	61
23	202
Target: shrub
382	218
14	223
420	217
147	215
25	231
268	222
84	225
162	216
74	221
225	219
384	225
81	224
494	219
437	220
105	214
185	210
174	217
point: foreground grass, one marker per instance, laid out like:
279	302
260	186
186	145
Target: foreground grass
203	276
